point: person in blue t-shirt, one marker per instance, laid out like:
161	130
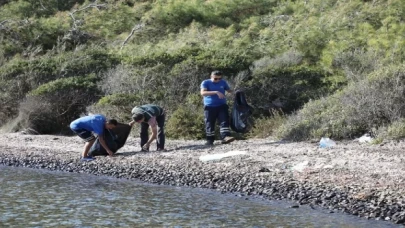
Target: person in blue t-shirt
215	107
85	126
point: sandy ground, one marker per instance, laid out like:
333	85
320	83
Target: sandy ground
362	165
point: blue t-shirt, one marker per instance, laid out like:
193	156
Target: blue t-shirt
94	123
214	100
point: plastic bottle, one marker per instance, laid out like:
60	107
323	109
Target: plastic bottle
326	142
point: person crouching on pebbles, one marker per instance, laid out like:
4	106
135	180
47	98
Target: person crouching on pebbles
153	116
215	107
84	128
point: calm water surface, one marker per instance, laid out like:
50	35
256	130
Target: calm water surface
40	198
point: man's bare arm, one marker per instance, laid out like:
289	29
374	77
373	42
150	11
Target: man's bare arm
153	136
204	92
104	144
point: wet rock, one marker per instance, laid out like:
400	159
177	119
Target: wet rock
329	196
263	169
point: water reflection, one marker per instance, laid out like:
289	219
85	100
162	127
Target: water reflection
39	198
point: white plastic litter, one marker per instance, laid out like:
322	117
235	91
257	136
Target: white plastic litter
210	157
326	142
300	166
365	139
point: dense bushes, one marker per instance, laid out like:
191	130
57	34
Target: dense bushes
48	68
331	67
52	106
188	120
117	106
266	126
287	88
21	76
364	106
175	14
30	8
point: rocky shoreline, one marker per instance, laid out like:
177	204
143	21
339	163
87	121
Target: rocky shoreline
364	180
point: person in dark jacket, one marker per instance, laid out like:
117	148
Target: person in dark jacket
153	116
84	128
215	107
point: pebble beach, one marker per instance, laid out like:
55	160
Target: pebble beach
359	179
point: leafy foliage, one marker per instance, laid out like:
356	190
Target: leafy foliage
52	106
332	67
187	122
361	107
21	77
117	106
287	88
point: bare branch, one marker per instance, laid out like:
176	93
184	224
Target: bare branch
42	5
134	29
92	5
3	22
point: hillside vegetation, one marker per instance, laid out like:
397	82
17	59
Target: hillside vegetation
309	68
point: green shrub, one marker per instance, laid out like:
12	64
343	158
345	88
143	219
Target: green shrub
266	126
379	98
30	8
320	118
118	99
9	48
287	88
161	57
84	84
51	107
187	122
362	107
93	59
34	37
19	76
48	68
395	130
227	59
114	20
117	106
175	14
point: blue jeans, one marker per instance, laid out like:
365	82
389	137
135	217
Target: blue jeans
212	114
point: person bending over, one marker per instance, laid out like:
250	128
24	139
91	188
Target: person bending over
153	116
85	126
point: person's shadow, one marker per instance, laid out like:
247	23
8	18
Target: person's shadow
131	153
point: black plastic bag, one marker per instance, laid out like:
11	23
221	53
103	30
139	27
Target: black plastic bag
115	139
241	113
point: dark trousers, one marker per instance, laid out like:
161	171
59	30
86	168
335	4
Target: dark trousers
212	114
160	141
